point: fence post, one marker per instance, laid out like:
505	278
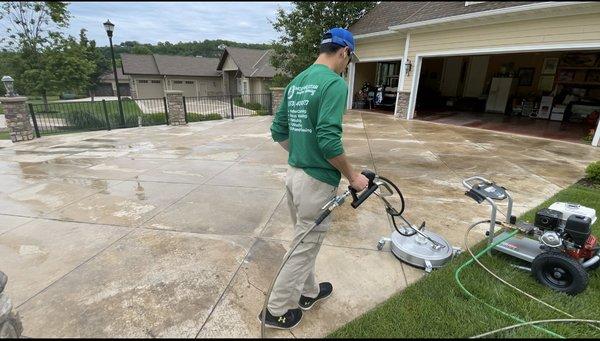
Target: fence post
105	114
270	103
185	110
35	126
231	104
166	109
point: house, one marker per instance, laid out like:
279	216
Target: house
151	75
246	71
107	86
535	62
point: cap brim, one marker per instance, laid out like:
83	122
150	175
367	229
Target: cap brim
354	58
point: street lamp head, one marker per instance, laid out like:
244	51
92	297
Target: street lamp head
8	82
109	27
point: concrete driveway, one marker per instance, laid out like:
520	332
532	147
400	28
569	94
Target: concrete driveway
177	231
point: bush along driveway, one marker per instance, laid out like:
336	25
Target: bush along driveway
436	307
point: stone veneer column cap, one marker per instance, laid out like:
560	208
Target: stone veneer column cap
13	99
277	88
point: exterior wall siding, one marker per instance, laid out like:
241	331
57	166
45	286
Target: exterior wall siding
583	28
380	48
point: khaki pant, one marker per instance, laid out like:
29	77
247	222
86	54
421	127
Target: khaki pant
305	197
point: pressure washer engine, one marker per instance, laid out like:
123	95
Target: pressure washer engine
559	244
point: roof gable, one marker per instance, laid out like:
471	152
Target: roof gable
251	62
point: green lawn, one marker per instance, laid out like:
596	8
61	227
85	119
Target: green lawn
4	135
435	307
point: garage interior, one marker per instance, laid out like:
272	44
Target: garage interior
545	94
375	85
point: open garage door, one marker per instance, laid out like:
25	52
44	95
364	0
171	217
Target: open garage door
551	94
375	84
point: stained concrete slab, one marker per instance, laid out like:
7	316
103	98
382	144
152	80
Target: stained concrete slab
186	171
8	222
49	249
220	210
155	282
149	284
128	203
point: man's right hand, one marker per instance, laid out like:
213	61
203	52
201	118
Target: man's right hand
359	182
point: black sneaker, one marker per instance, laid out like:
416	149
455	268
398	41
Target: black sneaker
325	290
288	320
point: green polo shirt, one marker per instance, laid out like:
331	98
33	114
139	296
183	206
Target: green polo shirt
310	116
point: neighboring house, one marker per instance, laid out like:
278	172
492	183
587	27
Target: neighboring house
482	56
107	85
151	75
246	71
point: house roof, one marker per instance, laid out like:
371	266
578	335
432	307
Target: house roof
164	65
110	76
388	13
251	62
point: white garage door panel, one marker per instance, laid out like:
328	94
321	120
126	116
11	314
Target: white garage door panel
188	87
150	88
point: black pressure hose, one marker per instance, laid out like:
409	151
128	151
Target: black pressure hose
392	211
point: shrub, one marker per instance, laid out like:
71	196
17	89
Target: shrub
195	117
593	171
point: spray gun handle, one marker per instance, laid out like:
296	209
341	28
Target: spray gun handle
371	187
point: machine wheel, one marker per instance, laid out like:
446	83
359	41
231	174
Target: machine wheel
560	272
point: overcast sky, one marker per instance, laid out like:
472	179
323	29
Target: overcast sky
150	22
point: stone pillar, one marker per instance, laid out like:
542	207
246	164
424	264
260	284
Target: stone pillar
132	88
17	118
175	107
402	104
277	98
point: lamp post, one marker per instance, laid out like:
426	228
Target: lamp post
110	27
8	82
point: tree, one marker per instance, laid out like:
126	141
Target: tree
93	54
302	28
61	65
30	25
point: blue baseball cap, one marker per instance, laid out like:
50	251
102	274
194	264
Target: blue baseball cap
342	37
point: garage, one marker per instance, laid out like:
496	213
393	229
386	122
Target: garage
551	94
376	84
187	86
150	88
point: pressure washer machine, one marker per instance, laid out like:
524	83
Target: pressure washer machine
559	244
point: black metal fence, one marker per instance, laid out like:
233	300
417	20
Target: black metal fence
62	117
227	106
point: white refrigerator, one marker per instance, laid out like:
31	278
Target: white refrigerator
500	91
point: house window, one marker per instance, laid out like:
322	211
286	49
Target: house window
246	88
155	81
177	82
189	82
143	81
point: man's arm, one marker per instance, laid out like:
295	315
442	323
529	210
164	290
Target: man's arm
279	127
329	133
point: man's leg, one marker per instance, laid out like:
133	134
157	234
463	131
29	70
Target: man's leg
307	197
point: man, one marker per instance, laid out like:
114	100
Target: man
308	125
